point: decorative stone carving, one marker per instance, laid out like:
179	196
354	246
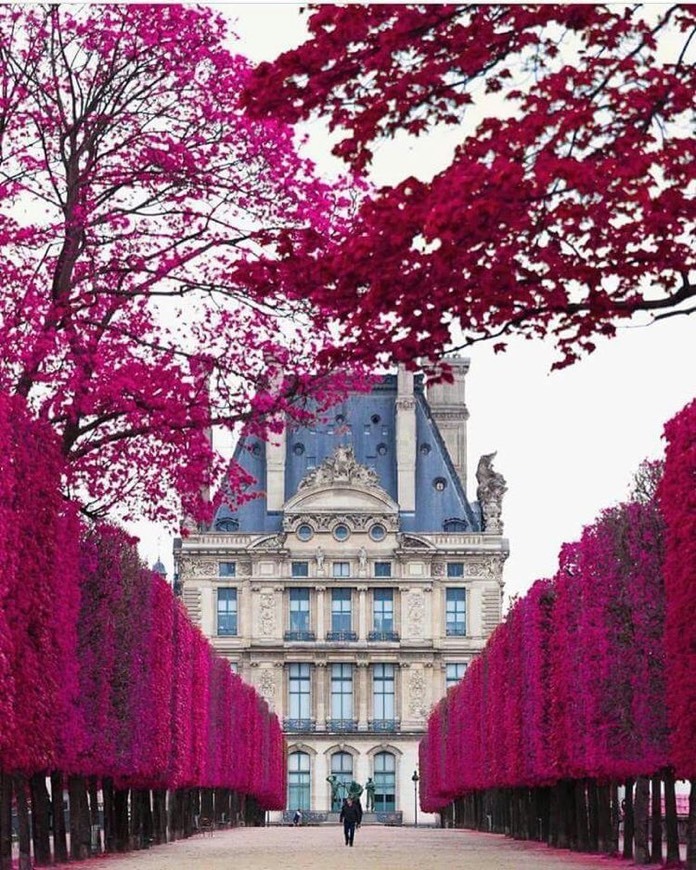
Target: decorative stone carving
194	568
342	467
416	694
488	567
267	685
490	492
356	522
244	569
407	403
267	613
416	613
319	556
438	569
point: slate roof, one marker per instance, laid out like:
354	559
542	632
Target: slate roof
367	422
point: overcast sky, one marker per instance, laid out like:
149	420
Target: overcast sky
568	442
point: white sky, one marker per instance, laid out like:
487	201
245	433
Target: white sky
568	442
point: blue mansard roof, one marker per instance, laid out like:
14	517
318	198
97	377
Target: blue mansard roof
367	423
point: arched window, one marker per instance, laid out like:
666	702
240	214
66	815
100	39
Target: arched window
454	524
298	781
385	782
342	769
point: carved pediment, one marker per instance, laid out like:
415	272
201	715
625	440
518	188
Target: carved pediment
340	485
341	468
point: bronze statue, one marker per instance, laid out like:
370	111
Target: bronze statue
370	795
336	786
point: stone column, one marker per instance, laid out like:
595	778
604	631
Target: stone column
362	687
405	440
321	613
362	614
320	694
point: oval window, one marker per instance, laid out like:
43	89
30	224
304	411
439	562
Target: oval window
305	532
298	448
425	448
378	532
440	483
341	532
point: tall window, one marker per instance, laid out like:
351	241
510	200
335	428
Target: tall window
227	612
341	569
454	672
456	612
298	781
383	609
300	569
383	692
383	569
299	691
299	610
340	610
227	569
342	769
341	691
385	782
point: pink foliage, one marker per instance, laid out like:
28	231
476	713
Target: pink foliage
572	683
133	187
677	495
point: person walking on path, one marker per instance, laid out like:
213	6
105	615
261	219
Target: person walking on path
350	816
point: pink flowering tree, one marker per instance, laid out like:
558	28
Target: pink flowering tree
132	184
678	504
548	218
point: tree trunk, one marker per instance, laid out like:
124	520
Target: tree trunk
603	793
691	830
40	820
615	819
136	819
640	812
159	799
671	825
95	840
20	785
629	820
80	834
121	838
109	815
148	828
592	816
5	822
656	820
60	840
581	832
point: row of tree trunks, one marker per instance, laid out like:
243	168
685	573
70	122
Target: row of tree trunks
584	816
132	818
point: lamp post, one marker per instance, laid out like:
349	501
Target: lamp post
414	780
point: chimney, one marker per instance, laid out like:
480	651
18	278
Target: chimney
275	445
448	406
405	440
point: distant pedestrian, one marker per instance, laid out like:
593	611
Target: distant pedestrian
350	816
297	818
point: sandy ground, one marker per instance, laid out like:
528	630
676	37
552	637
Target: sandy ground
376	848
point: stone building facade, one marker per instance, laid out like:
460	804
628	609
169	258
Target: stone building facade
359	584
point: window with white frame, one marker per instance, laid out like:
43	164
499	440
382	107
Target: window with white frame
341	691
299	609
300	569
455	612
299	691
385	782
383	610
340	610
227	611
227	569
383	569
298	781
383	692
454	671
341	569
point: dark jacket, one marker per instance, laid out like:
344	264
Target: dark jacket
351	814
